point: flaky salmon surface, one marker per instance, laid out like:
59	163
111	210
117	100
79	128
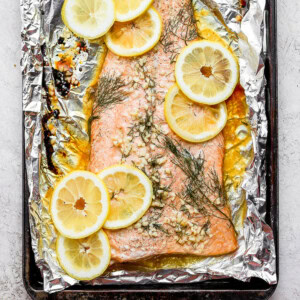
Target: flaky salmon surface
133	130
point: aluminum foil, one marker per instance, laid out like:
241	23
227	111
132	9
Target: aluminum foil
42	35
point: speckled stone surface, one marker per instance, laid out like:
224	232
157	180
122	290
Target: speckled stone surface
11	151
10	154
289	143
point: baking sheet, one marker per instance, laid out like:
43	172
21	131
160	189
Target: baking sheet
256	201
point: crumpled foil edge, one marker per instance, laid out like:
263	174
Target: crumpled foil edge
256	255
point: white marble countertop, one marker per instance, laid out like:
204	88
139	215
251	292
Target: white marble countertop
11	151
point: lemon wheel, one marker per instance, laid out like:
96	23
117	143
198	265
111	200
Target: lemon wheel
136	37
127	10
89	19
130	191
192	121
79	205
206	72
84	259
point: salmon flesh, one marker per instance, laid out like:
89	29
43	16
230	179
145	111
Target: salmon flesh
189	214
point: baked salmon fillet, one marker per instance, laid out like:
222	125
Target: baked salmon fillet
189	214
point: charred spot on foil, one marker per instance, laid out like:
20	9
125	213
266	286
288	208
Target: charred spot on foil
56	113
60	41
63	154
82	46
243	3
62	85
47	142
45	87
43	50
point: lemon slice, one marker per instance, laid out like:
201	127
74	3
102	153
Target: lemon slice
127	10
84	259
89	19
135	37
80	205
206	72
192	121
130	192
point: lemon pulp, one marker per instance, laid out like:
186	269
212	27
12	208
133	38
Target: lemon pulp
130	192
127	10
79	205
89	19
84	259
136	37
206	72
193	122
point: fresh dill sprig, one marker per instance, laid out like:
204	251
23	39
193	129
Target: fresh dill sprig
184	209
200	186
152	223
190	165
181	26
160	227
109	92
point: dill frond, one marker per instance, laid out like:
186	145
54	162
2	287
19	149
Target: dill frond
182	26
110	91
200	187
160	227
